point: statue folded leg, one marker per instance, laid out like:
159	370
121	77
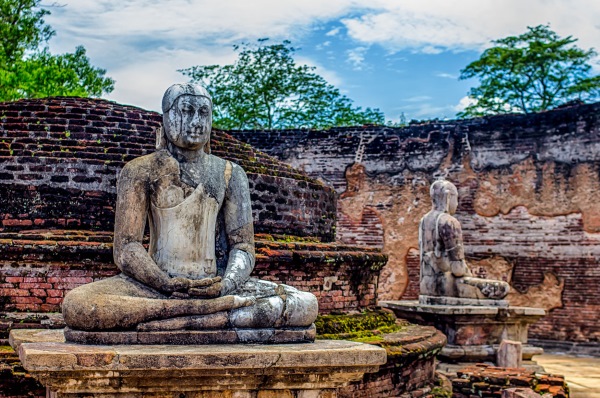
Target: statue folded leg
277	305
122	303
479	288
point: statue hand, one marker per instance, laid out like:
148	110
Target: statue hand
182	285
206	288
239	301
459	268
177	284
198	283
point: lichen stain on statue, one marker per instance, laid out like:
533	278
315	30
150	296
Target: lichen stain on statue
194	279
445	275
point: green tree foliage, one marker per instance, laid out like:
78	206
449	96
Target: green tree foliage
29	70
532	72
266	89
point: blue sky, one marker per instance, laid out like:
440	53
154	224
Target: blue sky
401	56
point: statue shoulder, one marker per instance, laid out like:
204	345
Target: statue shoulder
439	220
238	176
235	171
447	221
147	167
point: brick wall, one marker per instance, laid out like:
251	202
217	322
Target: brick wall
528	187
38	269
392	381
59	159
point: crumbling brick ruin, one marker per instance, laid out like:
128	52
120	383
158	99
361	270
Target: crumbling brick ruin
528	188
59	159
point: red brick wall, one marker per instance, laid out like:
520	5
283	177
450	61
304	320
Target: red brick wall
59	159
36	274
392	380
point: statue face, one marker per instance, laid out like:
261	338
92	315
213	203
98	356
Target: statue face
187	124
452	201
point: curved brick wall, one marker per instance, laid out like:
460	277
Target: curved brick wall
38	267
529	207
59	158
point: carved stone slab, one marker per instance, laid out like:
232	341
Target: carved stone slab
211	336
210	371
445	300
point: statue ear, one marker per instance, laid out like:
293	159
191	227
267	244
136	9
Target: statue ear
161	141
447	195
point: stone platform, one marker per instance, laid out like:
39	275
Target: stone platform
186	337
473	331
313	370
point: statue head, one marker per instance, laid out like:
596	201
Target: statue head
187	117
444	196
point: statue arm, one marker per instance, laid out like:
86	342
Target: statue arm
130	220
239	229
451	234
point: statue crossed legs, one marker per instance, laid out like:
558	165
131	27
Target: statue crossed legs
444	271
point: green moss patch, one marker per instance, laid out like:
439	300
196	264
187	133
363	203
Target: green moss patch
367	327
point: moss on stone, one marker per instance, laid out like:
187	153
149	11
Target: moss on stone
288	238
367	327
440	392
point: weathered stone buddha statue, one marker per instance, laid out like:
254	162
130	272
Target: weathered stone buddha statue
444	271
195	274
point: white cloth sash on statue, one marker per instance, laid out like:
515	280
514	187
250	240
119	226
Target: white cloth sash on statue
182	239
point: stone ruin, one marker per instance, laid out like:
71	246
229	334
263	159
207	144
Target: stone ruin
59	159
535	176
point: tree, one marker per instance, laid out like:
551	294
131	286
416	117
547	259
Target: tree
29	70
265	89
532	72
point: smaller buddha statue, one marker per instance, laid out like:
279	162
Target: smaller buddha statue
444	271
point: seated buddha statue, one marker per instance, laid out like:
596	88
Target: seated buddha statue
444	271
195	274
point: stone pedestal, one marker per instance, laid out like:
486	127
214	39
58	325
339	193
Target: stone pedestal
314	370
474	332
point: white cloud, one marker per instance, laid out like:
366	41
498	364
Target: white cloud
143	42
427	110
143	83
333	32
329	75
446	75
356	57
323	45
185	21
435	25
464	103
418	98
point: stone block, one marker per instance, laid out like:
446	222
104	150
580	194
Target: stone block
313	370
510	354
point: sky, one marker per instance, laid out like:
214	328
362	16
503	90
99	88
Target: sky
401	56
